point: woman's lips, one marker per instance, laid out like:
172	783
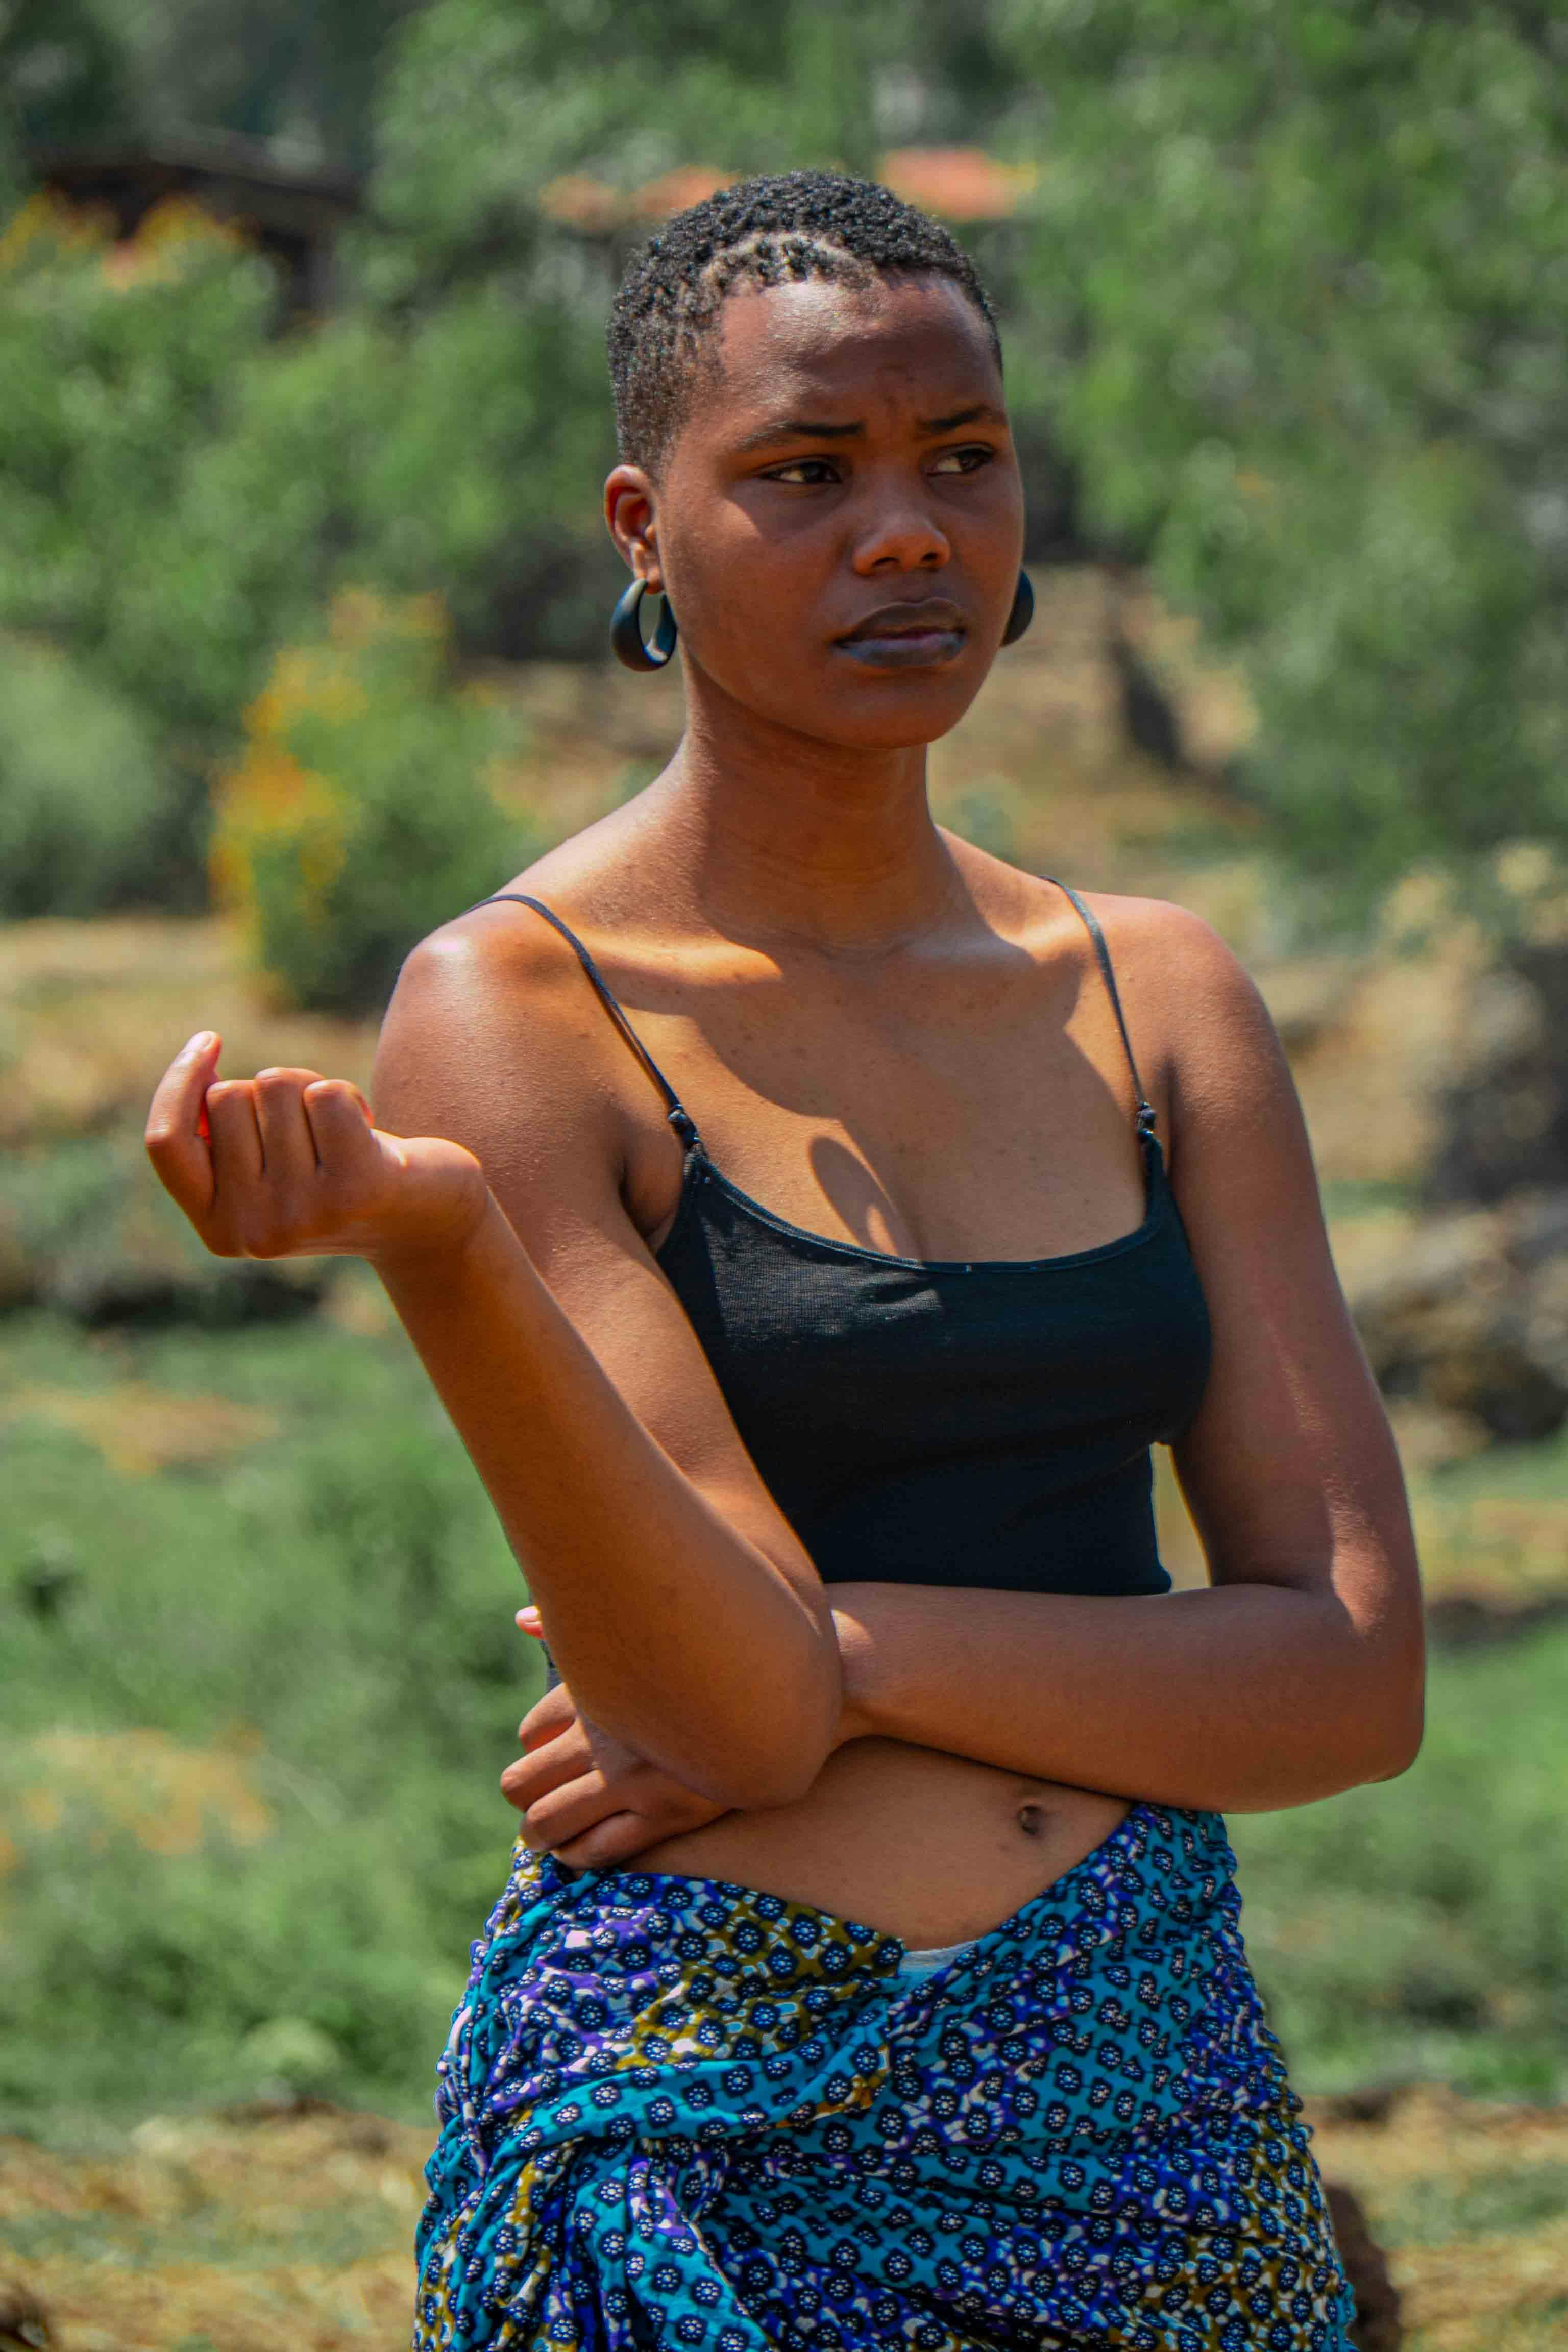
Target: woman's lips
918	636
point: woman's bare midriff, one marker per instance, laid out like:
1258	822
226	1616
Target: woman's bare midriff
929	1847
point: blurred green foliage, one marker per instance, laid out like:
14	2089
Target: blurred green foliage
1414	1930
118	375
118	370
72	70
318	1629
484	104
1286	309
1297	289
86	805
64	75
362	815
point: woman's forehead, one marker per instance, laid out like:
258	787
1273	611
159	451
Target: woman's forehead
908	340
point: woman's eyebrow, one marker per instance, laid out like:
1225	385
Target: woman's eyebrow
982	413
793	428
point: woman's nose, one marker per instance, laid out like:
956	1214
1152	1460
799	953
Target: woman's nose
900	535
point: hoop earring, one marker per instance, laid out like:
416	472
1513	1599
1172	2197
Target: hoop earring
1022	611
626	638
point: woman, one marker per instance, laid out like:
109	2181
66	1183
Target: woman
868	1972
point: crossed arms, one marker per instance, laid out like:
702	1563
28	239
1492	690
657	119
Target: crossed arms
700	1649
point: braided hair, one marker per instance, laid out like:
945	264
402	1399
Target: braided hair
762	232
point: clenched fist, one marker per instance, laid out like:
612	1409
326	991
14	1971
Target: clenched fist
290	1164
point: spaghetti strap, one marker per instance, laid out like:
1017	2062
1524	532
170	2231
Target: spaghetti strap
1146	1115
680	1117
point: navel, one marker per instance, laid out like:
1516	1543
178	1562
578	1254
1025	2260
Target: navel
1031	1820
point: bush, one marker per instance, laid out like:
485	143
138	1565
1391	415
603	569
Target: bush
120	361
249	1782
360	815
90	815
1292	293
1416	1928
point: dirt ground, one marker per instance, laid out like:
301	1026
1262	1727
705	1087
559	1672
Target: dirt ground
257	2230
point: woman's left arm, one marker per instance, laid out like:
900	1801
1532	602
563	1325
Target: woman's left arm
1299	1672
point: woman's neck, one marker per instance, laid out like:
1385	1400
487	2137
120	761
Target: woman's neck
778	837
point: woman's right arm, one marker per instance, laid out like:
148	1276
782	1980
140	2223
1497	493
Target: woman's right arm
683	1610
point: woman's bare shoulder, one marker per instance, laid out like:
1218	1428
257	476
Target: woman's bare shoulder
588	880
1136	928
1160	927
1186	997
1185	993
494	1019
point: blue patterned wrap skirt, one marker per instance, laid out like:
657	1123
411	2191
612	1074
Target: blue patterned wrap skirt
676	2111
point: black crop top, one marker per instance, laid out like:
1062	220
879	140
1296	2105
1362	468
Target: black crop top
936	1421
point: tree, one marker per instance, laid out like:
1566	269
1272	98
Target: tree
301	72
1296	291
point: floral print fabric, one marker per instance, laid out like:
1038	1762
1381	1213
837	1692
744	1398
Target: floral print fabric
679	2112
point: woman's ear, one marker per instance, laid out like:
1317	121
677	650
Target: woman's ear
630	511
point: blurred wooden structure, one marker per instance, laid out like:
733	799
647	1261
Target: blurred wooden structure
292	214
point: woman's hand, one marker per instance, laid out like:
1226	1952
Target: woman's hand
290	1164
584	1797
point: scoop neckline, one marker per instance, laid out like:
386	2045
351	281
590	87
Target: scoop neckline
698	1164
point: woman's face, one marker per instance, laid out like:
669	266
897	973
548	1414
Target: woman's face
840	521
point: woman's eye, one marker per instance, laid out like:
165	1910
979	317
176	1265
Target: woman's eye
808	471
963	461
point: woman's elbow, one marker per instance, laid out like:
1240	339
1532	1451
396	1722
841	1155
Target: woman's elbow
750	1752
1402	1733
1395	1714
754	1779
761	1786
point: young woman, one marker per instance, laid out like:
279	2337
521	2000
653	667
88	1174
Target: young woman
810	1220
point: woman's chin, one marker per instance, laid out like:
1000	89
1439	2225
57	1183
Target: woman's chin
880	711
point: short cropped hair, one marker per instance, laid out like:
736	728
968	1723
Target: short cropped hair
763	232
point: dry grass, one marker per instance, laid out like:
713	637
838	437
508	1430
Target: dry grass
1509	1554
247	2232
164	1796
285	2229
92	1012
140	1429
1471	2199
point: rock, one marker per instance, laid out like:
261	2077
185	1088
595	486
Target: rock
1477	1361
24	2322
1305	997
1506	1020
1538	1230
101	1287
1365	2103
1474	1621
86	1228
1505	1115
18	1281
1468	1317
1546	1319
1429	1437
1378	2327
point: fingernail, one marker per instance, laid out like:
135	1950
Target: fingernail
201	1041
